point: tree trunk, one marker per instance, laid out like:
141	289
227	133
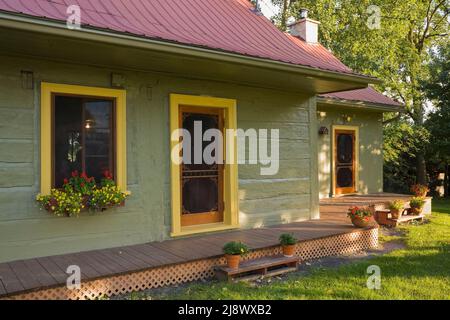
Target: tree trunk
446	186
421	168
284	15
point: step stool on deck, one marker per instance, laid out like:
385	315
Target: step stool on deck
258	268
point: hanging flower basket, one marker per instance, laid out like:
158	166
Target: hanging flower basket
81	193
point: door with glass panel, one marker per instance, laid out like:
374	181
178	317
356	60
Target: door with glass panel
345	162
201	179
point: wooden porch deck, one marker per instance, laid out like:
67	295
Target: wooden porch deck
21	277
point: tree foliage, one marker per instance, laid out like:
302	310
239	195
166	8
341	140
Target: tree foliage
398	52
438	122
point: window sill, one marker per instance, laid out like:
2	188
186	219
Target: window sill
213	227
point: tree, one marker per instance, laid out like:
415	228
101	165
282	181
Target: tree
397	52
438	122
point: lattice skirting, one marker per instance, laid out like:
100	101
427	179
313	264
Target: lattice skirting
202	269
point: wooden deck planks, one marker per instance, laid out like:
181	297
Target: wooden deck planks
49	271
10	281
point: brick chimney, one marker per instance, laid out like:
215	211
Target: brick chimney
305	28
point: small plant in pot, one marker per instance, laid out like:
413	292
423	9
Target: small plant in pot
417	204
233	252
361	217
396	208
288	242
420	190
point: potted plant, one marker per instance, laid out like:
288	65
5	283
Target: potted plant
80	193
420	190
288	242
396	208
361	216
233	252
417	204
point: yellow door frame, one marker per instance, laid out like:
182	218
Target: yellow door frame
47	91
333	155
230	194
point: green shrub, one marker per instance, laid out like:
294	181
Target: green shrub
417	202
396	205
235	248
287	239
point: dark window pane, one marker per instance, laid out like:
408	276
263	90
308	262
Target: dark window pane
83	137
344	177
98	137
200	195
200	181
67	137
207	122
345	148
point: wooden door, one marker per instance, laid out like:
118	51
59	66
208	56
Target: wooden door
345	162
201	183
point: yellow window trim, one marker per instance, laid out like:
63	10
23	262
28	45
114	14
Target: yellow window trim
47	90
333	173
231	213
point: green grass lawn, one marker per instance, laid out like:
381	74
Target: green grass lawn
419	271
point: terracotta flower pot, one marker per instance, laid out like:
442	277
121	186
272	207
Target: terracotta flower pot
362	223
395	213
289	250
233	260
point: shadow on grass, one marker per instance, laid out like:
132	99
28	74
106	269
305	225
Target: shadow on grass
441	206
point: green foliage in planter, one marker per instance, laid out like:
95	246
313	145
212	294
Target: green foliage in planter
360	212
287	239
81	192
396	205
235	248
417	202
65	202
107	196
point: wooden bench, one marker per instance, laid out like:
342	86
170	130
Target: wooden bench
258	268
384	218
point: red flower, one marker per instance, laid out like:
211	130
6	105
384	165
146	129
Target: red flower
82	184
107	174
66	181
75	174
84	176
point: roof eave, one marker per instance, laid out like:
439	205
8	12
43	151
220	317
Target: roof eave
53	27
360	105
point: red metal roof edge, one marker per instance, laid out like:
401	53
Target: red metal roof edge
162	40
357	96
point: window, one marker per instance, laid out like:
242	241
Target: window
83	137
82	129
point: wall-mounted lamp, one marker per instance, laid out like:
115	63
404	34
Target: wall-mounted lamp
347	118
323	131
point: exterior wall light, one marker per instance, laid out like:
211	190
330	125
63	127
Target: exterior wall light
347	118
323	131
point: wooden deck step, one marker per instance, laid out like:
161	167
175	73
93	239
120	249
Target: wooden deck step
384	218
258	268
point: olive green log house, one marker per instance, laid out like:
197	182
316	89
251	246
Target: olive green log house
133	76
